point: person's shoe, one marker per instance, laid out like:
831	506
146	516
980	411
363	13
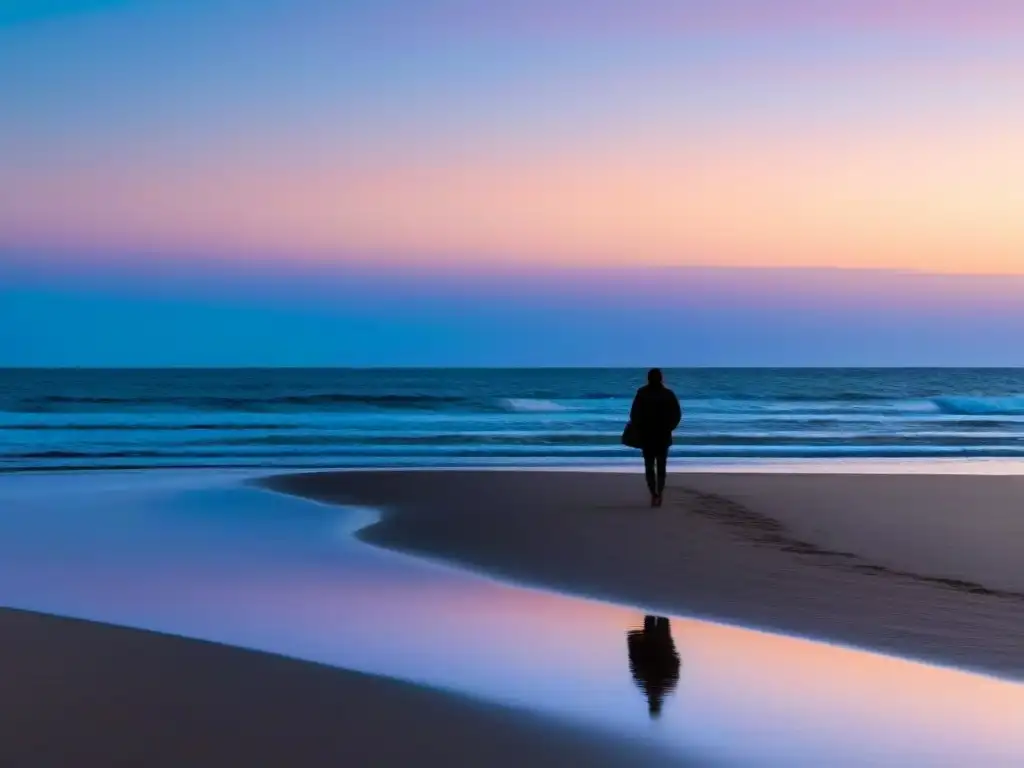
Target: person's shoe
656	501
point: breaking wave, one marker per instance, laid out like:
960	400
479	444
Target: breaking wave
422	418
981	406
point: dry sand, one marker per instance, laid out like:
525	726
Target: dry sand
82	694
926	567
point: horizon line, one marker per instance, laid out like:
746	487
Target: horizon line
107	368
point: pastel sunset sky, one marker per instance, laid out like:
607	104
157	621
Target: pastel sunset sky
448	171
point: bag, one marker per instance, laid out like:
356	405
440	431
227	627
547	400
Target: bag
631	436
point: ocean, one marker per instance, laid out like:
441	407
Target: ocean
291	418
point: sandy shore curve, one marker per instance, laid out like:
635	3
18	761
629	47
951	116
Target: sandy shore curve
924	567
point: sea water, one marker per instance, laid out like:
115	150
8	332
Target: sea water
548	417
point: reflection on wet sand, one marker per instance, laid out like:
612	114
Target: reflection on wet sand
654	661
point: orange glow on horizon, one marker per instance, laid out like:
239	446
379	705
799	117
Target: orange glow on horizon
944	201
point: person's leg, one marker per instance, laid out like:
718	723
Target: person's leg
662	467
650	461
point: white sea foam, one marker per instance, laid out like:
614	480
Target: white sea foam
528	405
83	420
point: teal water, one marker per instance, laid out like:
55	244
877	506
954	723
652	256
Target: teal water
202	555
308	418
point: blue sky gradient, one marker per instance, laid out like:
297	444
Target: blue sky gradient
447	182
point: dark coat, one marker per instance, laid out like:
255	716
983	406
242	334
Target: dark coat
654	415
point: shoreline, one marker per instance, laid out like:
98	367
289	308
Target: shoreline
85	692
869	465
847	559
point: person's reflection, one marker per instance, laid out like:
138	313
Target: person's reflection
653	660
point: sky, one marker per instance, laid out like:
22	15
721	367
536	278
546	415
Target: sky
693	182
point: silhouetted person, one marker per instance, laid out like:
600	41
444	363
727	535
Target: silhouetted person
655	415
653	660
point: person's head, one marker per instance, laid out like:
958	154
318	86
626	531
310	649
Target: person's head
654	377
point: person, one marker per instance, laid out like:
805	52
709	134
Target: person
654	661
655	414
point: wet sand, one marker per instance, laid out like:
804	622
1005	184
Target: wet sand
920	566
82	693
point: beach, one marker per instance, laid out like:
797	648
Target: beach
920	566
403	618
